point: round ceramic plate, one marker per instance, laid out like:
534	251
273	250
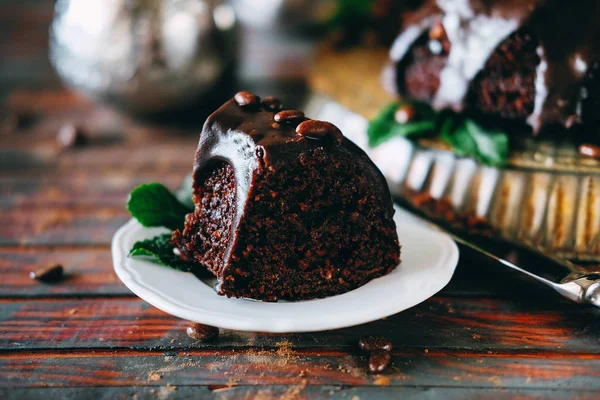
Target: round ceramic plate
428	262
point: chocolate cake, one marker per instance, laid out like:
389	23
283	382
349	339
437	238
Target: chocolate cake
285	207
533	62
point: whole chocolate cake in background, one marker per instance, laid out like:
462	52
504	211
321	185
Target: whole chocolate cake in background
285	207
530	62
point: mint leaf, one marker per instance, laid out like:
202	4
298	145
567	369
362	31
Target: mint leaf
384	126
469	139
492	145
159	248
459	138
154	205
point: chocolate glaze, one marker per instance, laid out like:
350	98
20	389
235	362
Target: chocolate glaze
569	37
247	138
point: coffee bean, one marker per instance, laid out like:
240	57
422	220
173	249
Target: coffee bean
405	114
69	136
245	99
378	361
371	343
52	273
437	32
202	332
589	150
319	129
313	128
272	103
289	116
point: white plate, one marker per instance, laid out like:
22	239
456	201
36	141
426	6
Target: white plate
428	262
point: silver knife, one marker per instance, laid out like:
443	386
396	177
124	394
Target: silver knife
572	281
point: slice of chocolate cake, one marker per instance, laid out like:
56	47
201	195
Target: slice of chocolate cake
285	207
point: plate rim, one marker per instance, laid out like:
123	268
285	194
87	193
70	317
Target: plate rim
153	296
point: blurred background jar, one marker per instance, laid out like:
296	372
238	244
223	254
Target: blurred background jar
145	56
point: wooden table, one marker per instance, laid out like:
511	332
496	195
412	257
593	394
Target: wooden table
489	334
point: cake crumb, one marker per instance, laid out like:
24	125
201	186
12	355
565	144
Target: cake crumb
382	380
154	376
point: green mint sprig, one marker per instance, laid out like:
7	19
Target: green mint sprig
153	205
466	137
159	248
385	127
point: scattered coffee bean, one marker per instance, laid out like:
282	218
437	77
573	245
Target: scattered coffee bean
245	99
378	361
275	125
201	332
437	32
69	136
272	103
371	343
405	114
589	150
289	116
52	273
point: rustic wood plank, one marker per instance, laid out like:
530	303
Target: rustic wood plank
24	43
89	272
111	189
83	163
61	226
286	366
440	322
289	392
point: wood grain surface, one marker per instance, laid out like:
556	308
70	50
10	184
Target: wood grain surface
491	334
444	323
